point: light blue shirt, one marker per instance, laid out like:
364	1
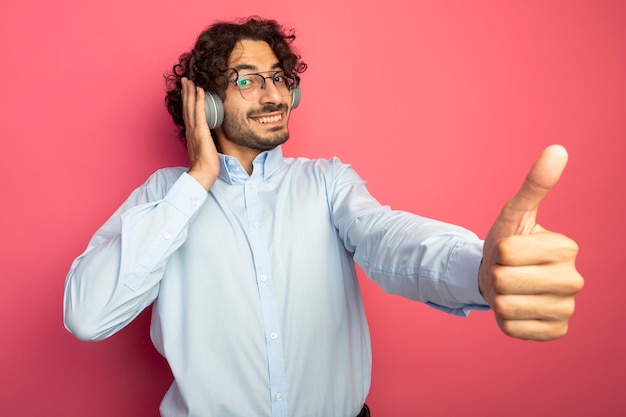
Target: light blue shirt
257	305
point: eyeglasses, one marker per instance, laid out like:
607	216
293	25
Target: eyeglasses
251	86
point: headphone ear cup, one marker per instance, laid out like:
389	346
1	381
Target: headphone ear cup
296	96
213	109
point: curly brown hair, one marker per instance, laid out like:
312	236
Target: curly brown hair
210	55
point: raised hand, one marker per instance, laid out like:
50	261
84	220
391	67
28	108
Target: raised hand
528	274
204	163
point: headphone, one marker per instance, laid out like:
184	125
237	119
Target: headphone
214	108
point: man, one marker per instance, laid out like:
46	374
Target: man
249	257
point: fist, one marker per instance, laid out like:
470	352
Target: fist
528	274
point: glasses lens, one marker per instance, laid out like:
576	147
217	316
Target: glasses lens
284	83
251	86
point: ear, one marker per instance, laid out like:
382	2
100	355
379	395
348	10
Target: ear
296	96
213	109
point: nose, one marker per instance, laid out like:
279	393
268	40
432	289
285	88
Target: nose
270	94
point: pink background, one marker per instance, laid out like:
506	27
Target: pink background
441	105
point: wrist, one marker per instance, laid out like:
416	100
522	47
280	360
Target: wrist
206	179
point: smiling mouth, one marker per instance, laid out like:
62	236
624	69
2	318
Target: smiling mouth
268	119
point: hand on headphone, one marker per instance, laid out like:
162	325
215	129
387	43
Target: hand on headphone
204	164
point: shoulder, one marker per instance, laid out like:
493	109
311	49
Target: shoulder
167	175
162	180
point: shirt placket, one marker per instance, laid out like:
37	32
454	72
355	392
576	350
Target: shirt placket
267	297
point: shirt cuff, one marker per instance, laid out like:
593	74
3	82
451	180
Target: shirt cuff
186	195
463	266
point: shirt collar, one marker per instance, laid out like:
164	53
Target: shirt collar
264	165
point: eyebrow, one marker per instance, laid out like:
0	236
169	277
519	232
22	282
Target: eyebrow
254	67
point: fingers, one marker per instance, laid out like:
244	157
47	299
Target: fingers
534	301
555	279
533	296
534	307
528	275
539	330
539	263
518	217
199	113
203	158
542	177
537	248
193	104
188	96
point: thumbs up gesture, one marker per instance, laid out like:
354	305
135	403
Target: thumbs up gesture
528	274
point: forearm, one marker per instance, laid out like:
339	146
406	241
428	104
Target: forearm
97	303
418	258
422	259
119	273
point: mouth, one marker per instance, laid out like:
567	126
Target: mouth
268	119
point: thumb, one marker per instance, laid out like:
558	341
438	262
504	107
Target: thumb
519	214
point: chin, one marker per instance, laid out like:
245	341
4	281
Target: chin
261	139
274	142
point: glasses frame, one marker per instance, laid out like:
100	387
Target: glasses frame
291	85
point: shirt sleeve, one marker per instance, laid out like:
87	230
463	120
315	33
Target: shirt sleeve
406	254
118	275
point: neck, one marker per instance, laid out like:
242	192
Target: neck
243	154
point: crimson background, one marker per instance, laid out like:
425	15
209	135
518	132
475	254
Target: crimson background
441	105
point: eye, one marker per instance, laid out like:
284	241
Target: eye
281	78
245	81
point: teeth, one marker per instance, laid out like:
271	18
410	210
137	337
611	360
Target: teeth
270	119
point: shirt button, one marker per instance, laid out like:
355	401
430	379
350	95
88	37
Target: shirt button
255	226
167	236
263	278
273	335
195	202
279	396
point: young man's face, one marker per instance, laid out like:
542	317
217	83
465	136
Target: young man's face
261	123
